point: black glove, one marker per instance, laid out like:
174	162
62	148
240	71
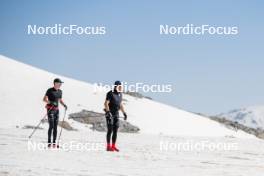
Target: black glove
65	106
109	119
125	116
53	103
108	115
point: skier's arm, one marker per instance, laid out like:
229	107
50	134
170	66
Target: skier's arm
63	104
122	108
106	105
46	99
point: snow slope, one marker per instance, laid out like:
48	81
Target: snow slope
23	87
251	116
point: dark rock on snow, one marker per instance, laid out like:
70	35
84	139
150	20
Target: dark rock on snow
98	122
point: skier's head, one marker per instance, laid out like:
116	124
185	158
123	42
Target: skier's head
118	86
57	83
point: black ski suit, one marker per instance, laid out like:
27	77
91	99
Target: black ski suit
53	112
115	99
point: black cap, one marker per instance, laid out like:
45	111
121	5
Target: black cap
57	80
117	83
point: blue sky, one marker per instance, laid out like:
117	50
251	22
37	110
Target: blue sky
210	74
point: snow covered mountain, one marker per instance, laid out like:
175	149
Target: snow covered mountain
251	116
23	87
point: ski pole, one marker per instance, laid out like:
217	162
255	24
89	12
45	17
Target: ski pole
36	127
62	125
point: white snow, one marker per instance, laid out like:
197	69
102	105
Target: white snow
139	154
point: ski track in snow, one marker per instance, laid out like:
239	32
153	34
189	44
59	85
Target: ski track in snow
139	154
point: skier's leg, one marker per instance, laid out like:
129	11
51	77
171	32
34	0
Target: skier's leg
56	119
108	134
114	136
50	120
